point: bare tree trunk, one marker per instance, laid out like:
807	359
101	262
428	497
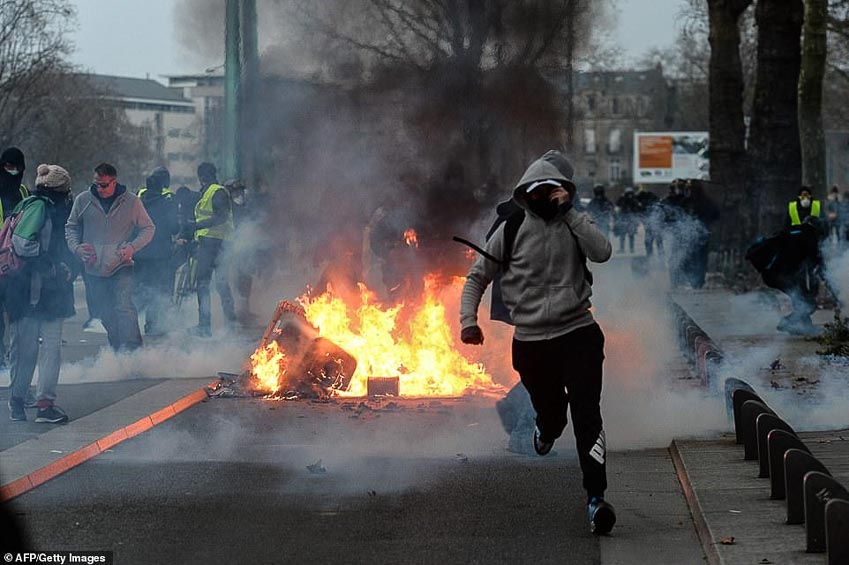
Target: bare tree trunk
814	48
774	146
569	67
728	164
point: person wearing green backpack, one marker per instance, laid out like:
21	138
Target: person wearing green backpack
40	295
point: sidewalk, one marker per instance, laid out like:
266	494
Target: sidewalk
724	494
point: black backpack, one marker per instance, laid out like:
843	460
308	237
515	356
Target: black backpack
511	215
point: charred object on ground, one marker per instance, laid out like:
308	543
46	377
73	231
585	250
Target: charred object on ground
312	367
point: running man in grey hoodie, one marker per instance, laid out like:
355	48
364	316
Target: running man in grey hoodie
558	348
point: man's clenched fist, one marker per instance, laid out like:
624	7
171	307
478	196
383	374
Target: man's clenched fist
472	335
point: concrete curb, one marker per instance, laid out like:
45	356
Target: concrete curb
39	476
702	528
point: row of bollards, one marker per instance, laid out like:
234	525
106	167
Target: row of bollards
698	347
813	496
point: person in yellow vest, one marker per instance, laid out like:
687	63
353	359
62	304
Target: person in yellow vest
213	228
802	207
12	191
805	230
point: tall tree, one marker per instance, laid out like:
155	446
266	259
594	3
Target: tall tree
728	160
774	145
814	52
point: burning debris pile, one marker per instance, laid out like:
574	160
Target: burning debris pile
326	346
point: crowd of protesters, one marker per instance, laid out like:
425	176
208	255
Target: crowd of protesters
137	252
676	227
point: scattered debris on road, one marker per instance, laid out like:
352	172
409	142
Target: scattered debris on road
316	468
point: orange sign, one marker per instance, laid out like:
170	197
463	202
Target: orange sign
655	152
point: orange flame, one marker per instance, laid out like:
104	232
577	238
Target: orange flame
413	342
268	367
411	238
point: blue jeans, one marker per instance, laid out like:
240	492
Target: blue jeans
113	297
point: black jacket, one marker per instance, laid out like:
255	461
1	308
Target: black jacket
162	210
56	267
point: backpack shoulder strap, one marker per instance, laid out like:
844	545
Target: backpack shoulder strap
511	228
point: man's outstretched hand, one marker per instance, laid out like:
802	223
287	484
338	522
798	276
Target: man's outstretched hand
472	335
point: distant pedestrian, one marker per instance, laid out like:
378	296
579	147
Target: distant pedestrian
107	226
701	213
650	216
41	295
212	228
673	214
12	191
154	267
627	219
558	348
601	210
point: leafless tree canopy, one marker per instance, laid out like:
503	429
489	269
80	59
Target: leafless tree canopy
32	44
48	110
471	33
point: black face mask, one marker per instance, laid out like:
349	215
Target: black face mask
544	208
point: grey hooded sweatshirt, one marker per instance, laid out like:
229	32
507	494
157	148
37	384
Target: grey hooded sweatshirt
544	286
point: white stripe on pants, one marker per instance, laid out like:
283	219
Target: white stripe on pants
25	353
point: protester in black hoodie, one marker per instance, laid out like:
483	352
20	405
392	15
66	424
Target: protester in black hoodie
12	191
154	268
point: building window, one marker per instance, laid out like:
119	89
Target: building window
591	103
173	156
174	132
615	105
614	141
615	169
589	141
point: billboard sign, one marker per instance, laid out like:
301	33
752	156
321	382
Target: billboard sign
661	157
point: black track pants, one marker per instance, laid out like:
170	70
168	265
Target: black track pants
573	363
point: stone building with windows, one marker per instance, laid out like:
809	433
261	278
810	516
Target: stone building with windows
168	119
609	106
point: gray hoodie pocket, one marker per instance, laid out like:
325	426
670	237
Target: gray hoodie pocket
530	309
563	301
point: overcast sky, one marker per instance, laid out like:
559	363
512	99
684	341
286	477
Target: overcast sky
139	38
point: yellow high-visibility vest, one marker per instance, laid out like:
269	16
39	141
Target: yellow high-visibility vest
793	210
204	211
166	192
24	195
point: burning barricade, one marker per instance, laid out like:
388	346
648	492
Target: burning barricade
326	345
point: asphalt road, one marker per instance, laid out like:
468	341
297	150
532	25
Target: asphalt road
227	482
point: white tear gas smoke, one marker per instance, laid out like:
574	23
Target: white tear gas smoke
179	358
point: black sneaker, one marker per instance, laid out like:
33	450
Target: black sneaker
51	415
541	447
16	409
602	516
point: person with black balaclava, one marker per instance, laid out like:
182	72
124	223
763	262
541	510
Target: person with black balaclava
558	347
154	266
600	210
12	191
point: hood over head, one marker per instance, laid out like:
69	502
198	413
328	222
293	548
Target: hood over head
163	175
154	184
13	156
551	166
